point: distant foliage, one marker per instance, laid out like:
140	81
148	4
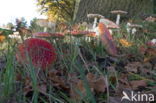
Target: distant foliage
20	23
57	10
34	27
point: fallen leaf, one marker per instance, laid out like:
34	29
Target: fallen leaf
97	83
58	80
151	52
138	83
77	88
145	69
42	88
133	67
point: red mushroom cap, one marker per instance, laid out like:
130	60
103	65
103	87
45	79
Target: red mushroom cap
92	34
107	39
79	33
42	34
109	24
46	34
40	52
57	35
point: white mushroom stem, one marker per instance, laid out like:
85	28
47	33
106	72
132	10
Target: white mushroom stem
45	29
134	30
118	19
128	27
95	22
111	32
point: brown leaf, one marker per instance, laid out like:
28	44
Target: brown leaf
98	84
133	67
146	69
113	79
42	88
123	84
58	80
138	83
76	88
27	85
124	79
19	77
151	52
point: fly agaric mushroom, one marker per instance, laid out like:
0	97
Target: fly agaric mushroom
118	12
151	43
46	24
109	24
107	39
91	34
51	36
41	34
47	35
79	33
40	52
96	17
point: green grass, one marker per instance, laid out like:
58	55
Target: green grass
75	61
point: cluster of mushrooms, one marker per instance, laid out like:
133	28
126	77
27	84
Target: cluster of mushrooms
42	53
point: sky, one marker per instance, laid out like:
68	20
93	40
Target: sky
12	9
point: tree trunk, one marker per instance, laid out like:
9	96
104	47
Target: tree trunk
134	8
154	6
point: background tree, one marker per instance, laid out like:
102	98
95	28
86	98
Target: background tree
67	10
57	10
10	26
34	27
154	6
134	8
20	23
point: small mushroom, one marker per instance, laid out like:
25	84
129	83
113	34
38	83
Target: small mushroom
118	12
133	28
151	43
45	23
151	19
96	17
